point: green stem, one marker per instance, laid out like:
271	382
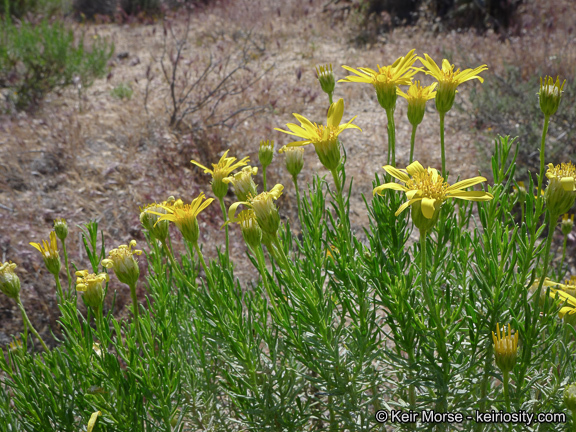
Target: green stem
443	155
59	288
507	390
66	265
225	215
135	312
173	263
391	137
563	257
203	263
262	264
573	420
442	405
412	140
534	329
27	322
264	178
341	206
295	181
542	154
330	98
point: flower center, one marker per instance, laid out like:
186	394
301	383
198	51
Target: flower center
563	170
429	184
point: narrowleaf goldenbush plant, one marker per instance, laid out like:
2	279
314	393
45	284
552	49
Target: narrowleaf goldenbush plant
340	324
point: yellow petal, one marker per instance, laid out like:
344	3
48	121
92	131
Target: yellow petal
406	205
335	113
472	195
415	168
467	183
428	207
393	186
396	173
567	183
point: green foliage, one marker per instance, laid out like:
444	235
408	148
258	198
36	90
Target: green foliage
510	106
36	59
122	91
21	8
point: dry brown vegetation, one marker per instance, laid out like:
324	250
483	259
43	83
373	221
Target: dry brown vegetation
102	158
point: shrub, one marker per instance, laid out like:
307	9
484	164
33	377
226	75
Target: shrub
122	91
36	59
20	8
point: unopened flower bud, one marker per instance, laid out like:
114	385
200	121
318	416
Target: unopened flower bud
294	159
550	94
266	153
9	280
326	78
567	224
505	348
61	229
570	397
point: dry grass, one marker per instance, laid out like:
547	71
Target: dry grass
107	160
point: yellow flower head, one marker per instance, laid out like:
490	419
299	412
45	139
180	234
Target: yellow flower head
561	190
417	97
426	190
550	94
448	80
49	251
244	186
184	216
9	280
264	209
92	286
149	221
122	261
386	79
294	159
565	292
324	138
221	170
326	78
505	348
251	231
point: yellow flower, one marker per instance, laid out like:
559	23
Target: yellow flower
505	348
251	231
569	301
49	251
9	280
426	190
221	170
149	221
561	190
387	79
92	286
264	209
550	94
448	80
244	186
184	216
417	97
324	138
122	261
